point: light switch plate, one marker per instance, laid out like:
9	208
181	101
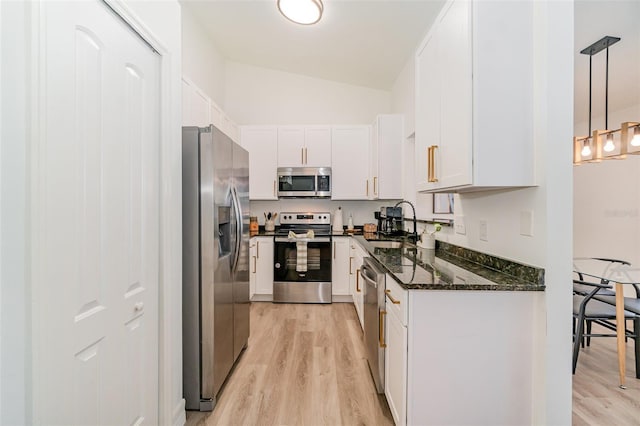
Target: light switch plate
526	223
458	224
484	231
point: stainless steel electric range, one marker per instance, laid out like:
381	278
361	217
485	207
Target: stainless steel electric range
302	265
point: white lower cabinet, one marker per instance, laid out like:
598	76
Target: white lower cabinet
261	272
395	369
340	272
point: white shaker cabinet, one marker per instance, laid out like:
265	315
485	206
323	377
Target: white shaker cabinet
395	352
340	266
386	157
304	146
262	144
261	272
350	163
474	117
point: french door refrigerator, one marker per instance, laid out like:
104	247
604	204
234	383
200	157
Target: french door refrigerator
215	256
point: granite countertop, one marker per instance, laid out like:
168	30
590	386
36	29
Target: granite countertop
451	267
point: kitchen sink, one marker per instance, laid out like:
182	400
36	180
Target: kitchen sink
386	244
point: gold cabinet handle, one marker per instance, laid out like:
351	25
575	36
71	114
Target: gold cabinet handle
306	156
302	155
431	163
375	186
394	301
258	249
254	264
381	329
350	264
367	187
334	249
358	280
274	188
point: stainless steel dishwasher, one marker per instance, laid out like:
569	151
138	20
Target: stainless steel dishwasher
374	309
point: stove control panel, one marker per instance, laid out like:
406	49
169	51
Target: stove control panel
305	218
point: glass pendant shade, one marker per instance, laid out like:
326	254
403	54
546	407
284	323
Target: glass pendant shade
635	141
305	12
609	145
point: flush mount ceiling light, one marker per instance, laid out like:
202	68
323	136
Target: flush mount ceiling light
304	12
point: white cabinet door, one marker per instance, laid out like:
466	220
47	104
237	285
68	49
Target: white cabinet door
290	146
340	266
308	146
453	164
395	370
264	265
350	163
387	143
317	140
262	144
96	276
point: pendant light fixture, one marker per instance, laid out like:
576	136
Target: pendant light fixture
590	148
304	12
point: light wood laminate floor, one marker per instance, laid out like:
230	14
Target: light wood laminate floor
304	365
597	399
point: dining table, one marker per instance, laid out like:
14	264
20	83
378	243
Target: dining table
607	271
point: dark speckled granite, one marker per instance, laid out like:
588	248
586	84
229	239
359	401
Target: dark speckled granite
454	268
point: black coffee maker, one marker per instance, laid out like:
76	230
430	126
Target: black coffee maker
390	221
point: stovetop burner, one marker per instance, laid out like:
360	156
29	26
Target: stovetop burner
300	222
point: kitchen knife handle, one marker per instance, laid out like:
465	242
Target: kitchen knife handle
381	329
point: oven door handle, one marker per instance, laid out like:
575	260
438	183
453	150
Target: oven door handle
292	240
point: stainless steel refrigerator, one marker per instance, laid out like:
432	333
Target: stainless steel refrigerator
215	261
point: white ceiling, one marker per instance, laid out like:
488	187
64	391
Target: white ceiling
367	42
364	43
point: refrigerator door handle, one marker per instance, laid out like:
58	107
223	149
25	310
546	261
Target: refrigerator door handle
238	219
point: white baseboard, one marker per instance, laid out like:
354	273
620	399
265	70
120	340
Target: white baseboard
346	298
179	417
262	298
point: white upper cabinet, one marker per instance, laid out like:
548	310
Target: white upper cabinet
474	118
262	144
350	163
308	146
386	157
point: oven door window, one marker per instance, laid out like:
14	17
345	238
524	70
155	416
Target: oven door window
299	183
318	262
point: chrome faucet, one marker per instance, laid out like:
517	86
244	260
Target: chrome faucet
415	232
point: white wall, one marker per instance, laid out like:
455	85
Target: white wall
550	202
201	61
257	95
15	351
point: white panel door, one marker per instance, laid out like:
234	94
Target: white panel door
262	144
317	145
96	267
291	147
350	163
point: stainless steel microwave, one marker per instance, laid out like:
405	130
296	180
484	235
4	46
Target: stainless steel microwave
298	182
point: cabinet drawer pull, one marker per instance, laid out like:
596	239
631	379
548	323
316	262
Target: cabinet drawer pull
301	155
254	264
381	329
375	186
306	156
258	249
431	163
334	249
274	188
394	301
350	264
358	280
367	187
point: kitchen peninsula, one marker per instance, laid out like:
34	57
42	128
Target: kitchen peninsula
458	335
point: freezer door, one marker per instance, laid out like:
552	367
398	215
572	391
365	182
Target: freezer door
216	240
241	265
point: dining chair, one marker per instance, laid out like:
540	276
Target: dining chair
588	309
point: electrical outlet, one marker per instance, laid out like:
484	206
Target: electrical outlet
526	223
483	231
459	226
